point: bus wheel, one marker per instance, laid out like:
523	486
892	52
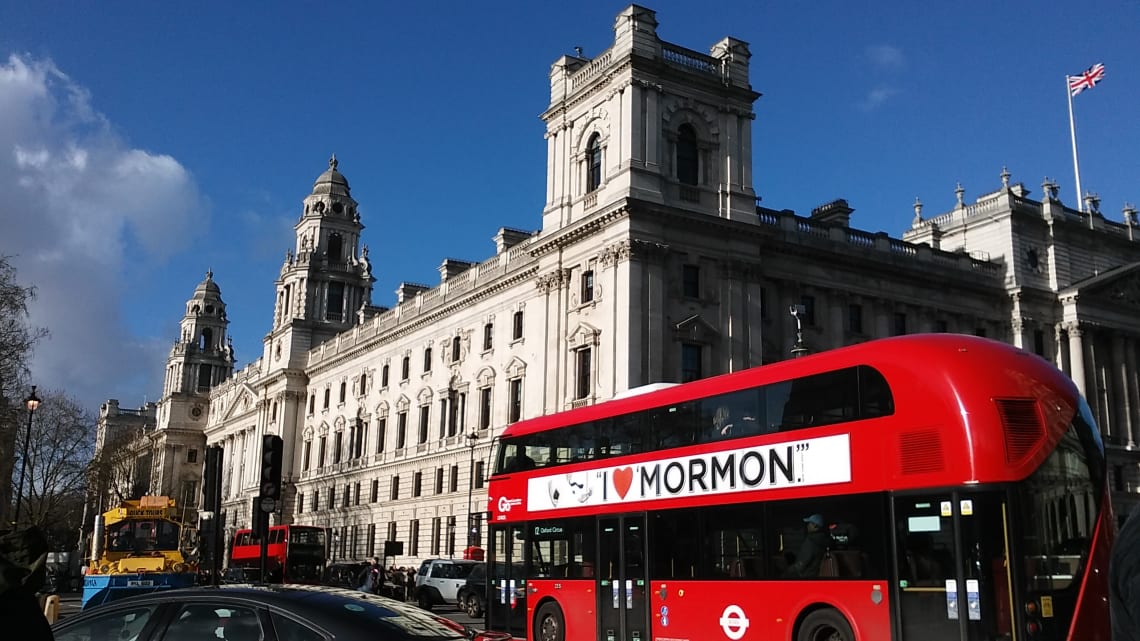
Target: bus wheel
825	624
549	623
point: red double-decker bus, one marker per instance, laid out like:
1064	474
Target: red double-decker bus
296	554
926	487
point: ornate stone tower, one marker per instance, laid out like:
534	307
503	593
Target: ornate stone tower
653	121
201	358
326	280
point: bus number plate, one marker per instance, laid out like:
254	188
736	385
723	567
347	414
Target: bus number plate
140	583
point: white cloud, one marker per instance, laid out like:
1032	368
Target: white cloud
877	97
886	57
82	210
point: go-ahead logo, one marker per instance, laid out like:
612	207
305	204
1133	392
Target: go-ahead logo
506	504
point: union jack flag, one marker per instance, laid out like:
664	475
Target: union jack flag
1086	80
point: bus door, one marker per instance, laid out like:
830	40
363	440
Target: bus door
506	587
623	604
953	578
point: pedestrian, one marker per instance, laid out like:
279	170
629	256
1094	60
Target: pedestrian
23	565
1124	581
370	579
410	581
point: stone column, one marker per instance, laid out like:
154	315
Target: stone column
838	331
1129	378
1076	356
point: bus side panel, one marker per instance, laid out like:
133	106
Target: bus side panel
577	600
764	609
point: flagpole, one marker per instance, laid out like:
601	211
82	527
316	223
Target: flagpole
1073	137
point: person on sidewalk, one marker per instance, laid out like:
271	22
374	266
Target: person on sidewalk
23	566
1124	581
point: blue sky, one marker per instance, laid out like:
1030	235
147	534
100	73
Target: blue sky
142	143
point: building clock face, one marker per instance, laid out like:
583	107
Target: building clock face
196	412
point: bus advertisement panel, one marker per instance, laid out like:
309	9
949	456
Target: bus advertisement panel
928	487
296	554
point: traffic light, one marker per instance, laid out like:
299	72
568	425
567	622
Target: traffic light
212	480
270	488
260	517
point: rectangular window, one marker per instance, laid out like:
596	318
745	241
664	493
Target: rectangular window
587	285
763	302
484	408
436	529
300	503
690	362
900	323
517	331
337	446
192	455
343	392
427	360
383	377
515	400
478	474
371	549
453	483
394	495
583	369
417	484
347	498
443	403
356	494
691	281
1038	342
456	349
335	309
808	317
332	497
391	531
321	451
375	495
425	414
855	318
312	403
316	500
328	393
439	480
401	430
405	368
488	336
306	457
381	434
415	538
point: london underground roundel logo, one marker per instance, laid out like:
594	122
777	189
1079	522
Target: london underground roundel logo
733	622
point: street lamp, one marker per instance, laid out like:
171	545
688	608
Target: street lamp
472	438
31	402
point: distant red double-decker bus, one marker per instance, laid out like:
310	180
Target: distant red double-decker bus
926	487
296	554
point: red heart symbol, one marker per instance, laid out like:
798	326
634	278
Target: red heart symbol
623	478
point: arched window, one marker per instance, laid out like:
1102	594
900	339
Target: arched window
593	163
205	342
687	163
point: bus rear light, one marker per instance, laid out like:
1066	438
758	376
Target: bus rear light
1032	627
1031	608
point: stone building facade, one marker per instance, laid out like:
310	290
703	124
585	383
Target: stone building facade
653	263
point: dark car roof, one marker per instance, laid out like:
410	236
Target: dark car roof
336	610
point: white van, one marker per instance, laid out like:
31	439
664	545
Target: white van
438	581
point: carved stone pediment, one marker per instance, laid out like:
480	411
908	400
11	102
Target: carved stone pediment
695	329
1116	288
